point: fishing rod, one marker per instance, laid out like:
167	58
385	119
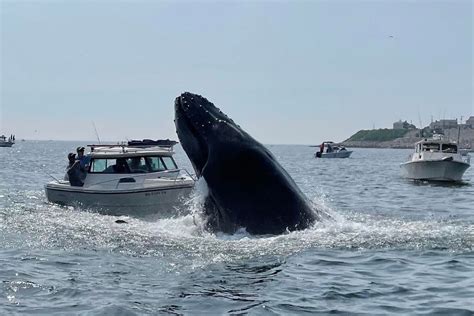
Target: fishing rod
49	175
96	133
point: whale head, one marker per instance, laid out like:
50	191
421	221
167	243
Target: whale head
247	186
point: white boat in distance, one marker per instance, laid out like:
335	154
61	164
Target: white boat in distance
436	159
7	142
331	150
148	182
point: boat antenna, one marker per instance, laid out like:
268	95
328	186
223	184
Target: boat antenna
421	124
419	118
459	133
96	133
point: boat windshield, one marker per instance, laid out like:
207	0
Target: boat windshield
132	164
169	163
430	147
449	148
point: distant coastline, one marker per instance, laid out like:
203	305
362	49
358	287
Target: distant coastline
377	138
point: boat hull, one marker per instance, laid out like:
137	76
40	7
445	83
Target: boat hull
435	170
138	202
338	154
6	144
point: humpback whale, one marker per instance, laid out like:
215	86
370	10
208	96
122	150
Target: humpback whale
247	186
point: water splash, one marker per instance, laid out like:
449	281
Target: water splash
42	225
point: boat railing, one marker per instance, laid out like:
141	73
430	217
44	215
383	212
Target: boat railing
140	175
103	148
192	176
177	173
466	158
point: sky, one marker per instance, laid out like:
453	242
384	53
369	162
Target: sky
288	72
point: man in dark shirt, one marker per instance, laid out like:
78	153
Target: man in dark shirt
83	160
73	171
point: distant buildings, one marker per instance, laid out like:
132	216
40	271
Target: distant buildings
470	122
444	124
403	125
437	126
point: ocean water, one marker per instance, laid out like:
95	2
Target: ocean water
393	246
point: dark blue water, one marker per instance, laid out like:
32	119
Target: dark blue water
394	247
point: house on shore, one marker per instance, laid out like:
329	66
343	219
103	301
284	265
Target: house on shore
443	125
470	122
403	125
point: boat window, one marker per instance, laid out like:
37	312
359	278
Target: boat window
155	164
137	164
431	147
109	166
100	165
449	148
169	163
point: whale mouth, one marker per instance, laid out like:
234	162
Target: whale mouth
193	121
200	112
200	125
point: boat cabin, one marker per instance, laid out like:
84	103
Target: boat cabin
134	164
444	147
128	159
328	147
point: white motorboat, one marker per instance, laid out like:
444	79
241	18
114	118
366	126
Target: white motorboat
147	182
436	159
331	150
7	142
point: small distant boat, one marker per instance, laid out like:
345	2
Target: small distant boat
139	178
7	142
436	159
331	150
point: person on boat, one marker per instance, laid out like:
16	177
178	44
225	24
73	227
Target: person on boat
321	148
71	159
329	150
120	166
137	165
83	159
73	171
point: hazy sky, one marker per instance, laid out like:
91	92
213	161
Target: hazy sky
289	72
